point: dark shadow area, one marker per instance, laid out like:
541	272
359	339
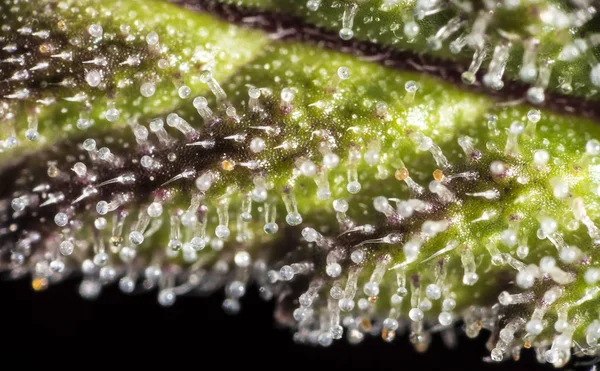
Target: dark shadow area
58	328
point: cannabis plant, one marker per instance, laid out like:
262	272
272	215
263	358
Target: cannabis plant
376	167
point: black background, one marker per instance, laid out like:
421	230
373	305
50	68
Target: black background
57	327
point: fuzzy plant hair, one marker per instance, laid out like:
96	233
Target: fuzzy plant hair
375	167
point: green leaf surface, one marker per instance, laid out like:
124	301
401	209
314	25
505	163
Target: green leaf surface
343	188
